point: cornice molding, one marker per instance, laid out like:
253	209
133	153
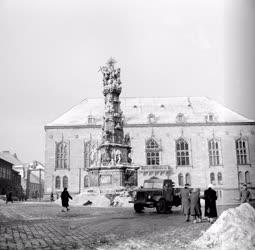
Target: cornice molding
154	125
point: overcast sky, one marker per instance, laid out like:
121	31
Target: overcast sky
50	53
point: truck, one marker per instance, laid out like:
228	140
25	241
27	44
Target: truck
157	193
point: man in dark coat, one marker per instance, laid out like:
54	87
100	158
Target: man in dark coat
65	199
9	197
185	196
210	197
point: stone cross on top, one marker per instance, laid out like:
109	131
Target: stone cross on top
111	62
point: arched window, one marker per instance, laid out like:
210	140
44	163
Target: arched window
65	182
247	177
212	178
62	155
57	182
240	177
180	179
86	181
187	179
214	152
219	175
182	153
152	152
242	151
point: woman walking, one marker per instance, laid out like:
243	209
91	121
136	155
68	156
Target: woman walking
65	199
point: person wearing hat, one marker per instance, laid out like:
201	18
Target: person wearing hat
245	194
185	197
210	197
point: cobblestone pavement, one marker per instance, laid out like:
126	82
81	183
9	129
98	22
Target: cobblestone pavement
44	226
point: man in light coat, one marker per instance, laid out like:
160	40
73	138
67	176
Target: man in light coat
185	196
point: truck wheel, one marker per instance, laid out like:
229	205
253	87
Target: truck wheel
161	206
138	208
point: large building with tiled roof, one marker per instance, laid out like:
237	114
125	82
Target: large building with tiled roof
191	140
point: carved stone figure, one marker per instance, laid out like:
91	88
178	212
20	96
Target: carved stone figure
118	156
127	139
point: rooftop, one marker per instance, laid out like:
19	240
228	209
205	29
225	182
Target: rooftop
159	110
11	158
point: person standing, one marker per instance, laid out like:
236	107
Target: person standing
210	197
195	206
65	196
185	197
9	197
245	194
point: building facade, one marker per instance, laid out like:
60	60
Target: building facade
32	179
10	180
191	140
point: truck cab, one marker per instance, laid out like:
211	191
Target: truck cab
158	193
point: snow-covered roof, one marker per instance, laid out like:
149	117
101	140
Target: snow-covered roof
11	158
165	110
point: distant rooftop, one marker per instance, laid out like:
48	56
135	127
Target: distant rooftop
159	110
11	158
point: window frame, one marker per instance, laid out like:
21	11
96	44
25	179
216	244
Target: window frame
65	181
62	155
152	152
242	158
212	180
214	153
180	180
57	180
180	153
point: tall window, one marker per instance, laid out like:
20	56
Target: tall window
65	182
240	177
242	151
247	177
62	155
219	175
214	152
86	181
187	179
182	152
152	152
180	179
57	182
212	178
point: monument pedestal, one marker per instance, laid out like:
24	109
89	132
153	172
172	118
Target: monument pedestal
111	176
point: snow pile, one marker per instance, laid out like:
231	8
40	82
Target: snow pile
2	201
95	197
122	201
234	229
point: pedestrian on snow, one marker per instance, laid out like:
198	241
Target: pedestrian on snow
245	194
185	196
210	197
65	199
9	197
51	197
195	206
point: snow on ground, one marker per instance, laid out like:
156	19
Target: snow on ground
117	197
2	201
234	229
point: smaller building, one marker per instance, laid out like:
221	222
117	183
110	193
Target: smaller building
10	179
32	179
